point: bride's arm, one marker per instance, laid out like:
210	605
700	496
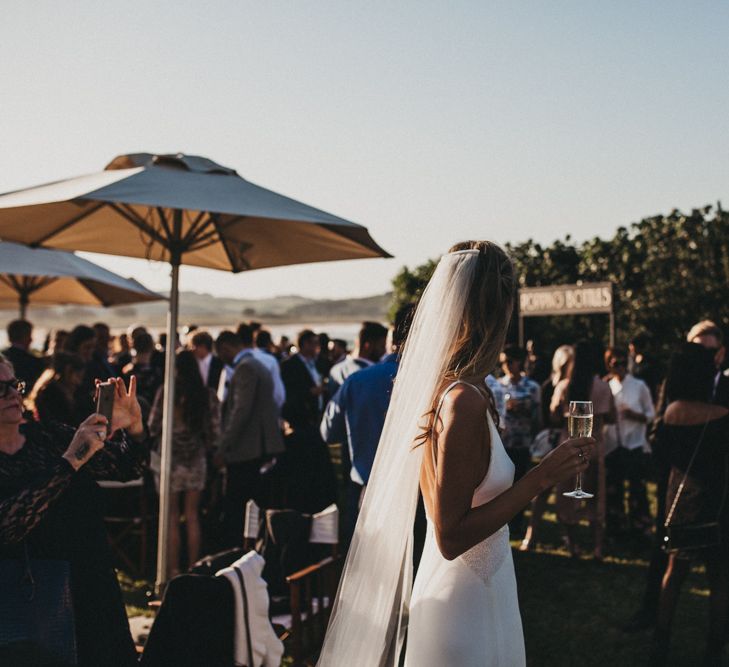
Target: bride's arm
465	440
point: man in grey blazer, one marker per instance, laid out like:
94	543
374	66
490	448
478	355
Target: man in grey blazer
250	432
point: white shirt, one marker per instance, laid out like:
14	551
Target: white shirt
633	394
204	366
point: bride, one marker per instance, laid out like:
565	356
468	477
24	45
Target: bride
442	432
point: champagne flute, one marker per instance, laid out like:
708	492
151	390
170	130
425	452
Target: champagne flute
580	426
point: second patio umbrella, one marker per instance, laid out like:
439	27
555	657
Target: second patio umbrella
182	209
50	277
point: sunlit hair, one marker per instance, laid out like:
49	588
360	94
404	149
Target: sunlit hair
475	352
561	360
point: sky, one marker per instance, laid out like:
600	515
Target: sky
426	122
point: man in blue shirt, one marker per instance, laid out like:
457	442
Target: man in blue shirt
356	416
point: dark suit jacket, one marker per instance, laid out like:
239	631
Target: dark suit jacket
216	368
250	424
28	367
301	408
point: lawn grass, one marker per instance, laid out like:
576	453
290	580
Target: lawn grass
573	610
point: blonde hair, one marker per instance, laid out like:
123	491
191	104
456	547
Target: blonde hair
706	328
563	355
475	352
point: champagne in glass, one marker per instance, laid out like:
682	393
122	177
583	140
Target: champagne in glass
579	422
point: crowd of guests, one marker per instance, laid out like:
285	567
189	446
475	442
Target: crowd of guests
253	420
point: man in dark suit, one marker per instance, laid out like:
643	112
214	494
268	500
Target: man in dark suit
28	367
304	385
209	364
312	485
250	432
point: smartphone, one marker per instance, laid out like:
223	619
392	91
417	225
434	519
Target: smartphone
105	401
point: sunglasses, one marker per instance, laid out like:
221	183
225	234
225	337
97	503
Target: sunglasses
6	385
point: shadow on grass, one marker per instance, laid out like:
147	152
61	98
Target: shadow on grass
573	609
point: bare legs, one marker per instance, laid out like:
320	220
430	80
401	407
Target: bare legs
191	501
676	572
192	520
539	505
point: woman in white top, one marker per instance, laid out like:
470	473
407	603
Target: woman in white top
441	428
626	443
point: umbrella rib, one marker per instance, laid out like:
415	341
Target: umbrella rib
66	225
197	225
139	223
165	224
233	264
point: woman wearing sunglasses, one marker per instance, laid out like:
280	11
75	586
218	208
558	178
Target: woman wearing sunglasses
50	506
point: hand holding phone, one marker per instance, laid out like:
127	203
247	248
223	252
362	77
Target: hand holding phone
105	401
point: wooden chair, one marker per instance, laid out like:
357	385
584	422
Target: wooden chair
312	590
128	518
312	594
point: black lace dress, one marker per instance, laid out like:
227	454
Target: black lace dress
58	513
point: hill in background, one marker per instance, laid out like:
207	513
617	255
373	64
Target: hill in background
208	310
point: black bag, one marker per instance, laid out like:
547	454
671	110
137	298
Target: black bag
36	612
689	527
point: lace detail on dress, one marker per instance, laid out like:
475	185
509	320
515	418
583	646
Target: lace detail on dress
486	557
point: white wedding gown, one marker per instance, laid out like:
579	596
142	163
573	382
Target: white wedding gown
465	612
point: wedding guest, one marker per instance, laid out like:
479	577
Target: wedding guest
694	434
264	341
246	334
250	433
337	350
522	398
370	348
196	431
209	365
707	334
100	367
710	335
55	342
53	399
50	508
149	375
536	365
356	415
626	445
561	362
28	367
641	364
123	352
313	484
583	384
323	363
82	342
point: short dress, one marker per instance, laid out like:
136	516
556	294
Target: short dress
189	468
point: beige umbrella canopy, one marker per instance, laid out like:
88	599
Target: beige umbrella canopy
182	209
49	277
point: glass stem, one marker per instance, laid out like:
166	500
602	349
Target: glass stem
579	482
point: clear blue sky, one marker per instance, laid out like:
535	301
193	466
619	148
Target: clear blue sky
428	122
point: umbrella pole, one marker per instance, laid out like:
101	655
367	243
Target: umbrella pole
167	426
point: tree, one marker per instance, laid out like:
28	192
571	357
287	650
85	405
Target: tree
668	272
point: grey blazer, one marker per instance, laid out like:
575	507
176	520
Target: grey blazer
250	425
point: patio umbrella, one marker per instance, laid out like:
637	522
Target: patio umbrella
182	209
49	277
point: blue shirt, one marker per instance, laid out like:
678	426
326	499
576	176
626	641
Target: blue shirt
356	414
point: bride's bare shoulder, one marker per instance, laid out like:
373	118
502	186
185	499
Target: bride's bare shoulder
463	405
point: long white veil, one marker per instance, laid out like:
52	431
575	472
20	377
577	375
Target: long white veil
370	613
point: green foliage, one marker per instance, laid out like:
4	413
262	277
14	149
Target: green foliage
669	271
407	285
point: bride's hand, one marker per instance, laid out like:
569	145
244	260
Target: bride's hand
566	460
